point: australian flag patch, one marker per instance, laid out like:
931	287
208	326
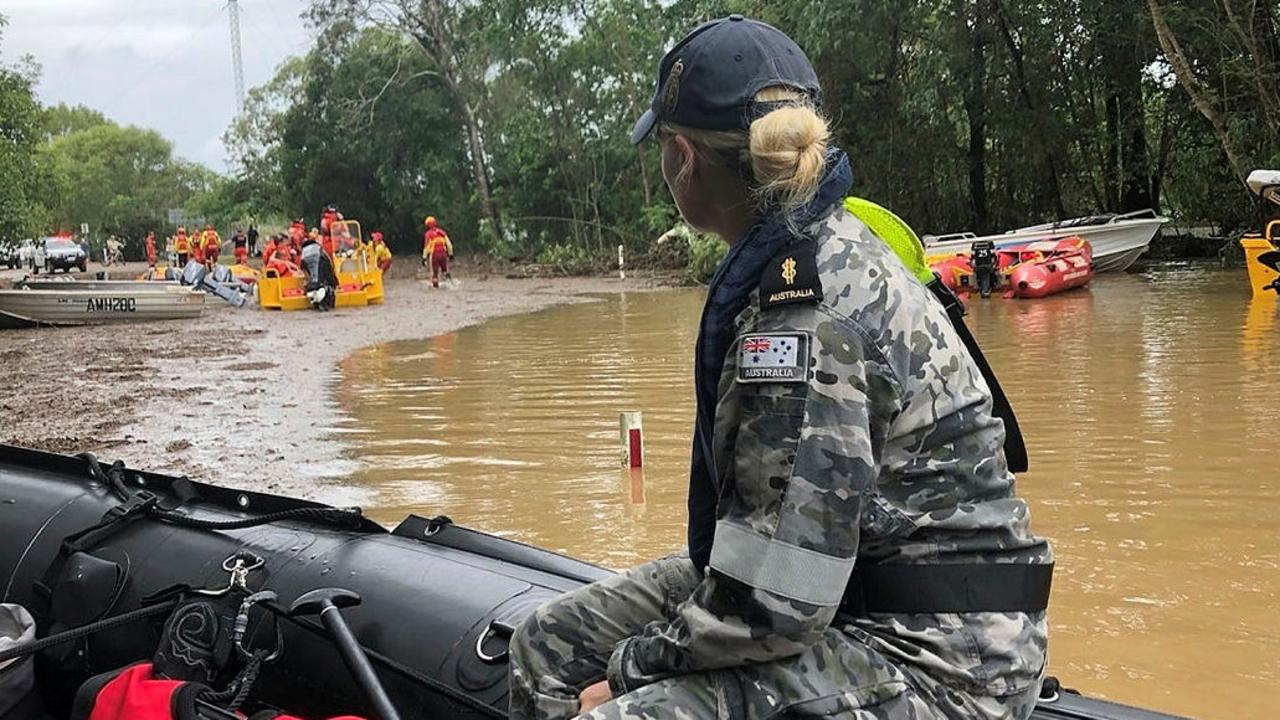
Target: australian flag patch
782	357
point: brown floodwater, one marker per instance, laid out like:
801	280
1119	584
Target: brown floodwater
1149	401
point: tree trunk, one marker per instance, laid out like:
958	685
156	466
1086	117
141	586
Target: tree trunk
480	167
972	19
1246	32
1041	124
432	26
1173	51
1128	164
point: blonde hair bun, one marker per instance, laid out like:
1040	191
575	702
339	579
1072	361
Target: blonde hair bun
788	148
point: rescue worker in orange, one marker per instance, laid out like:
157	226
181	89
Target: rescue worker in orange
149	243
297	233
437	249
380	252
182	246
269	251
212	246
328	217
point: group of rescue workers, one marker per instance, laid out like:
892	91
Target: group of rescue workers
284	251
202	246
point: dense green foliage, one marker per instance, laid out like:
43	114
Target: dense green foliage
961	114
357	122
19	137
116	179
509	119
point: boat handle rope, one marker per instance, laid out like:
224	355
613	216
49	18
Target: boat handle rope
347	517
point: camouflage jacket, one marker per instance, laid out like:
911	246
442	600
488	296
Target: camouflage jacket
851	425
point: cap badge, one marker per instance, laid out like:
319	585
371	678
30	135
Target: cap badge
671	91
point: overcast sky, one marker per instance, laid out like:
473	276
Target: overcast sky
162	64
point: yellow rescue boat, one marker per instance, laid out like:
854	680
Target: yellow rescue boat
1262	250
359	279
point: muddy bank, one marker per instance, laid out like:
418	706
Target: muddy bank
241	398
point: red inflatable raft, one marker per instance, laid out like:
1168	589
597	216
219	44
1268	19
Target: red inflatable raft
956	272
1048	268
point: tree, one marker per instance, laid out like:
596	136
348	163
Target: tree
63	119
19	134
116	179
441	30
359	122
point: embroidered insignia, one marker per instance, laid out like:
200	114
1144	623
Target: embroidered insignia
773	358
791	278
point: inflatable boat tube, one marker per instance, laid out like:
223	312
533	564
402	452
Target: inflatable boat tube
439	600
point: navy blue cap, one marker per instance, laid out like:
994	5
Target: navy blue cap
710	79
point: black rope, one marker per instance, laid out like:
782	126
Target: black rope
36	646
395	666
237	691
341	517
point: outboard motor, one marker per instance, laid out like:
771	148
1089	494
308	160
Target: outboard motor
322	281
194	273
984	266
1271	260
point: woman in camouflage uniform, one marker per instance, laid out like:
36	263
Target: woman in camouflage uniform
840	420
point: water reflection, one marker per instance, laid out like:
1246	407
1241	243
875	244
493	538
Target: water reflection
1148	402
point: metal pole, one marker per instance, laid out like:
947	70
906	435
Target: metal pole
237	65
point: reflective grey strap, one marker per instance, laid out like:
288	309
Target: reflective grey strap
783	569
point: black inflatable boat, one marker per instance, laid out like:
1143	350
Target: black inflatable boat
439	600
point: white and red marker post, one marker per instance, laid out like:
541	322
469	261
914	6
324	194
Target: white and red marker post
631	432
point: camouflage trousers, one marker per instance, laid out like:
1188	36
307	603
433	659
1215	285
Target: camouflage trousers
565	646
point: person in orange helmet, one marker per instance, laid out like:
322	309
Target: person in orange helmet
381	253
437	248
149	244
328	217
182	246
197	246
297	233
212	245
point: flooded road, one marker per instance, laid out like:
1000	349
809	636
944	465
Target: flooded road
1149	403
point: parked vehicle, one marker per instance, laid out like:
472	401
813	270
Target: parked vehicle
62	253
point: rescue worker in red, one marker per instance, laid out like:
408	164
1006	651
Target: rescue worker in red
182	246
269	251
328	217
240	243
278	256
297	233
212	245
197	246
437	249
380	252
149	244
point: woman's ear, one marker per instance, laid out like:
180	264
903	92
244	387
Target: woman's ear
688	157
678	159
